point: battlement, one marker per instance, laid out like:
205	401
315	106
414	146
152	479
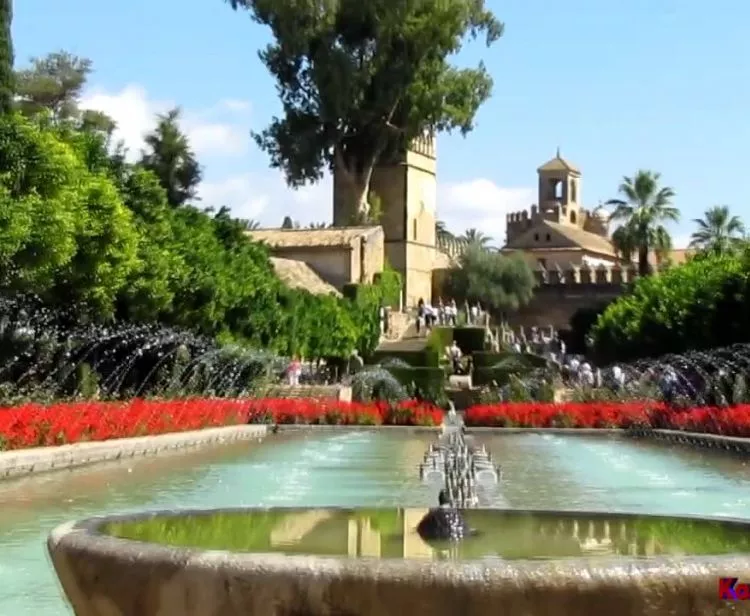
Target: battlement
586	275
426	145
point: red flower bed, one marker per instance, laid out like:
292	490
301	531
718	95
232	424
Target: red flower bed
34	425
733	421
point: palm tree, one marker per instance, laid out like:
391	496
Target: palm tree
718	231
476	237
643	210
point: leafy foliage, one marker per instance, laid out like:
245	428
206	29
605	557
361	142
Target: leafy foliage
702	304
499	282
358	81
80	226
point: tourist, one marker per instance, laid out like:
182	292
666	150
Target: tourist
455	357
618	378
452	313
356	363
474	315
293	371
443	523
420	316
382	317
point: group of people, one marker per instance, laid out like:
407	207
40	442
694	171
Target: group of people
447	314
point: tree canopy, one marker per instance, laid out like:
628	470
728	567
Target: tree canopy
358	81
702	304
498	282
82	227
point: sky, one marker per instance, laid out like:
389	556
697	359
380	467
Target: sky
616	85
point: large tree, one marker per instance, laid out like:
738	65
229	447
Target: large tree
7	77
497	281
644	209
53	83
359	81
718	231
169	156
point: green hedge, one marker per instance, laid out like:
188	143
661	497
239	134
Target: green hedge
438	340
424	358
429	380
469	339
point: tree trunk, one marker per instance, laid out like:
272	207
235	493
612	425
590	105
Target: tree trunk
351	190
644	268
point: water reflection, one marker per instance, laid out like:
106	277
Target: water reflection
390	533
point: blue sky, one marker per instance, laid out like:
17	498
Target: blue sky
656	84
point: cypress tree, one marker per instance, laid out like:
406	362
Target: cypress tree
6	57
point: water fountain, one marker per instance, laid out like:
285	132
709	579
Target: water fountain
47	355
461	467
103	573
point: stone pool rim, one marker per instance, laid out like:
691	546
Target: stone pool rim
92	566
91	530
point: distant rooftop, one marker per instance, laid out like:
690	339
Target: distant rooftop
299	275
558	163
308	238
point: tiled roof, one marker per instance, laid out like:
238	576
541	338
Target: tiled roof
577	237
308	238
558	163
299	275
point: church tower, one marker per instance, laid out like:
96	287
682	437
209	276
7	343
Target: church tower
407	190
560	191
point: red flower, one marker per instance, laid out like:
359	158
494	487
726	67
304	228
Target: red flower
733	421
33	425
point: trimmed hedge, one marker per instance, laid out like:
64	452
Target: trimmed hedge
469	339
429	380
423	358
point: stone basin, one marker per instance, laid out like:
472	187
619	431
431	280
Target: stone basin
342	562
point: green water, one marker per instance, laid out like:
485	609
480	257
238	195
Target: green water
349	469
389	533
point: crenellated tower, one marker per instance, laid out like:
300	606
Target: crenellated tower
406	187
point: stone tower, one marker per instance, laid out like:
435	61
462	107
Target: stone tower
560	191
407	189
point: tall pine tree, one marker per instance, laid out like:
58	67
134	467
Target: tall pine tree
6	57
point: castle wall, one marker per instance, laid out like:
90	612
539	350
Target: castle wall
559	295
555	258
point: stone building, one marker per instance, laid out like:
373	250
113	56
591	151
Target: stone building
559	231
405	238
570	249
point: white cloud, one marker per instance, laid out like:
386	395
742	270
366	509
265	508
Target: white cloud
135	114
481	204
222	130
265	198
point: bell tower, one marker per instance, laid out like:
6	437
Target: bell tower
407	189
560	191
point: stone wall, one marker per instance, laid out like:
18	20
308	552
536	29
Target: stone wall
22	462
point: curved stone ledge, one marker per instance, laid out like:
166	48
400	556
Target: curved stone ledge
21	462
106	576
733	444
710	441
